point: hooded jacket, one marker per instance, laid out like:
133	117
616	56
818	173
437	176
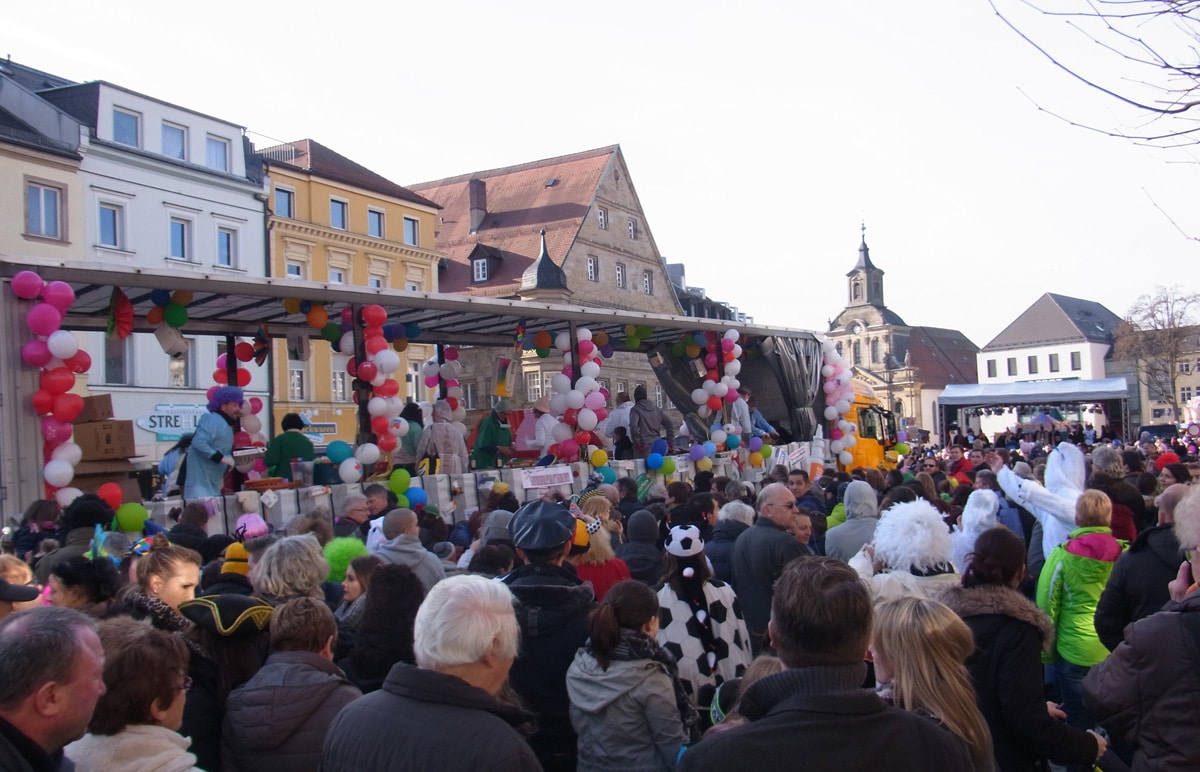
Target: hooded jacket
978	516
424	720
136	748
1069	589
1053	504
1138	585
407	550
862	515
647	422
719	547
625	716
1006	669
644	559
277	720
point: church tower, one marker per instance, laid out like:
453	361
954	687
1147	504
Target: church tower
864	282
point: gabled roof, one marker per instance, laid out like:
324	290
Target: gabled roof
29	78
554	194
310	156
942	356
1058	319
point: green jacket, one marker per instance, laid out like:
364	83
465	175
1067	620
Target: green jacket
1069	588
283	449
492	434
836	517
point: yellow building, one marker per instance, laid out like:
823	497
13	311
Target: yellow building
336	222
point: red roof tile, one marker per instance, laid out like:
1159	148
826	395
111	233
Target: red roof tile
942	356
313	157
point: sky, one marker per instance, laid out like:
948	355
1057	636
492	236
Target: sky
759	136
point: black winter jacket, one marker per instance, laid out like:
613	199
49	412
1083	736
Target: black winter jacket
422	720
1006	670
719	548
1137	587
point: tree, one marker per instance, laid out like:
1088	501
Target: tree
1157	333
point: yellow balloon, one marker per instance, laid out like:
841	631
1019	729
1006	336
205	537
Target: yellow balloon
291	305
704	465
756	460
599	458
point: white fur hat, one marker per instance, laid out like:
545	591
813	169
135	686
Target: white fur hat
911	535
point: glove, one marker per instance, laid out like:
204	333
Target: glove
227	461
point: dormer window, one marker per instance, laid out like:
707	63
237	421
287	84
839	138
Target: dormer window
479	269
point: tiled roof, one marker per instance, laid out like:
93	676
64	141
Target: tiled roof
1058	319
313	157
521	200
28	77
942	356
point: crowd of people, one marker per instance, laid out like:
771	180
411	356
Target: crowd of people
973	608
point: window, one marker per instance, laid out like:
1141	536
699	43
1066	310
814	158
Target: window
602	217
110	226
295	271
216	153
1012	365
658	394
375	223
479	269
856	291
991	368
174	141
410	231
296	380
593	268
1076	361
1185	394
1054	363
412	286
533	387
375	282
180	368
1033	365
337	214
337	276
227	247
622	387
469	395
633	229
338	383
285	203
838	346
857	349
43	211
874	350
127	127
647	282
603	382
116	360
620	276
181	239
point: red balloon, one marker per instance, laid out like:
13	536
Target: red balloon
386	442
571	416
43	402
379	424
352	367
67	407
375	345
221	377
372	332
367	370
243	351
347	315
556	449
389	388
111	494
583	438
374	315
601	413
243	377
714	403
452	402
57	381
80	363
242	440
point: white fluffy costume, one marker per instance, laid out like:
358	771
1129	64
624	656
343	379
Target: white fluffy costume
1053	504
913	546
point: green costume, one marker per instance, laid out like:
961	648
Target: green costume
492	435
283	450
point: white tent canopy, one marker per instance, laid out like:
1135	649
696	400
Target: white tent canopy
1033	393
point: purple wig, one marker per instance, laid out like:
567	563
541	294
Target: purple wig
223	395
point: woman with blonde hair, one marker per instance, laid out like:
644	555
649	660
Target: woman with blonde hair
598	564
166	576
598	507
920	648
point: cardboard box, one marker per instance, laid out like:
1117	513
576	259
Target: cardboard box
97	408
90	475
105	440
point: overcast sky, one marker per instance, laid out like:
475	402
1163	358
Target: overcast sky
759	135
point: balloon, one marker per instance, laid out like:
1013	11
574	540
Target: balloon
220	376
837	446
903	448
111	493
243	377
386	442
731	396
399	481
27	285
586	420
562	341
846	458
397	427
62	344
252	424
417	496
375	344
377	405
43	402
68	452
374	315
59	294
827	370
902	436
57	381
594	401
831	413
575	399
36	353
43	319
560	432
607	474
243	352
766	451
570	448
599	458
654	461
756	460
849	441
450	354
699	396
367	371
704	465
317	317
80	363
586	384
131	517
633	342
65	496
589	369
175	314
256	405
659	446
58	473
668	466
67	408
696	452
350	471
732	441
714	402
710	449
338	451
755	444
387	361
368	453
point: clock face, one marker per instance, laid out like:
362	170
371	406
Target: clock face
856	328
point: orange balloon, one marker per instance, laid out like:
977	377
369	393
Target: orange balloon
155	315
317	317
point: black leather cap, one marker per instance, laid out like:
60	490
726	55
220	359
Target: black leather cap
541	525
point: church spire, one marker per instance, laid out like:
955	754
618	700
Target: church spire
864	253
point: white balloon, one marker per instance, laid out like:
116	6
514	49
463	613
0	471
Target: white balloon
732	334
346	345
846	458
583	333
720	390
849	440
703	411
350	471
379	379
586	384
562	342
734	383
843	407
575	399
398	427
454	391
62	344
560	383
251	424
429	369
567	358
558	404
448	371
827	370
377	406
587	419
60	473
561	432
737	351
388	361
709	387
733	368
699	396
66	495
395	406
732	428
590	369
718	436
836	446
368	453
459	413
831	413
54	364
843	424
69	452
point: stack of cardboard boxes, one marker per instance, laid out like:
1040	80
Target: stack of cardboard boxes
107	446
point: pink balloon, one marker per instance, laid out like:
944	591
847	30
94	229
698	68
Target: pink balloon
594	400
221	359
59	294
43	319
347	315
710	360
450	384
36	353
570	448
55	432
601	413
256	405
828	387
726	344
431	381
450	354
835	434
27	285
604	391
586	347
731	395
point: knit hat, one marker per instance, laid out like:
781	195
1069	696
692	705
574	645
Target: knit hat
642	527
229	616
237	560
1023	470
684	541
1164	459
496	527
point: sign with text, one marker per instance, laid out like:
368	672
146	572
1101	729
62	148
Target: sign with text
168	422
546	477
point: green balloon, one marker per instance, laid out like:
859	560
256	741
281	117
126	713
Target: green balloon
765	451
679	349
399	481
131	516
633	342
668	466
332	332
903	448
402	502
543	353
175	314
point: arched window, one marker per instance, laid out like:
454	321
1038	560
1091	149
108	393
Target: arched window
839	348
874	350
857	353
856	290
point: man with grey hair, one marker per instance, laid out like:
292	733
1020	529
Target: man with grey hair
356	515
51	675
759	555
1137	587
732	519
402	546
444	712
1129	508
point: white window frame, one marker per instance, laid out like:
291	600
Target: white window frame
412	286
291	201
118	235
39	229
294	270
479	269
339	379
342	205
414	225
622	387
337	276
658	395
372	212
162	139
297	380
620	271
187	246
212	141
593	268
602	218
137	121
226	233
533	386
647	282
468	388
375	281
632	229
186	363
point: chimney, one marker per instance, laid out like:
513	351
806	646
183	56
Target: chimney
477	189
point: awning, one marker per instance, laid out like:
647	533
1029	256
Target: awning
1033	393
